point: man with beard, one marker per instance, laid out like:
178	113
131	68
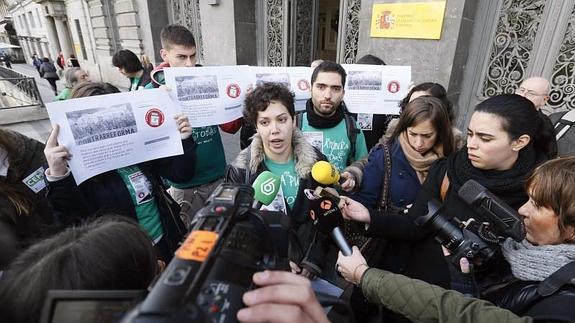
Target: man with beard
326	120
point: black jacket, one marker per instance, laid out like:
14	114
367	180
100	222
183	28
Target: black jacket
523	299
107	193
307	247
27	158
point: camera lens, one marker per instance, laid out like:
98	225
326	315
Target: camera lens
448	234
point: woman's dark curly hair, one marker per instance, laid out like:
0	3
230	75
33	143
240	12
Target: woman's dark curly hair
260	98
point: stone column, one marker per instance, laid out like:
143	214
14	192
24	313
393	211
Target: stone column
63	37
54	48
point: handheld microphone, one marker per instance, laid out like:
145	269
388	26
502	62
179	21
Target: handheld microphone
266	187
505	219
325	173
327	218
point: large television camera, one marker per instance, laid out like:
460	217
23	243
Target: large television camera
229	242
476	241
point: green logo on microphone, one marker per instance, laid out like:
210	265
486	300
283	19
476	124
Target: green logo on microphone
268	187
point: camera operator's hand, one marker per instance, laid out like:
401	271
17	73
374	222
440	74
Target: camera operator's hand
56	155
352	267
282	297
183	126
300	271
352	210
349	183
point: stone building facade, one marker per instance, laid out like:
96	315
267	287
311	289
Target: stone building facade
486	47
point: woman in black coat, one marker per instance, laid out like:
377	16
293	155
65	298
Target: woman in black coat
503	147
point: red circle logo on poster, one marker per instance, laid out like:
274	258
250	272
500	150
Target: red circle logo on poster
393	86
233	90
154	117
303	85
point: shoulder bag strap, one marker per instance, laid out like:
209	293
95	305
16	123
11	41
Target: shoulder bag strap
384	198
553	283
352	132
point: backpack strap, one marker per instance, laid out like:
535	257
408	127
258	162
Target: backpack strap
564	124
553	283
352	132
444	187
299	120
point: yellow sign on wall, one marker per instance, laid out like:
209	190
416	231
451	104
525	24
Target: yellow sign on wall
421	20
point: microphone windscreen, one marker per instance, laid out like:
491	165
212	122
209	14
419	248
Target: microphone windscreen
471	191
324	173
326	214
266	187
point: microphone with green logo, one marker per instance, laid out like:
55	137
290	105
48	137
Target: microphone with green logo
266	187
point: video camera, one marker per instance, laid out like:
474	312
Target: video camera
229	242
476	241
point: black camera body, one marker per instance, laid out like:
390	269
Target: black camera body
229	242
478	245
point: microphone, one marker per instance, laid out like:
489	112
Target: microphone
325	173
505	219
266	187
327	218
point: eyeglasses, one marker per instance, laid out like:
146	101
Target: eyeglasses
528	92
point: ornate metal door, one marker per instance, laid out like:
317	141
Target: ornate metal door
187	14
516	39
287	31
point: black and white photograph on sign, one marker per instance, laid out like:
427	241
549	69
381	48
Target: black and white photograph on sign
365	121
282	78
199	87
98	124
364	80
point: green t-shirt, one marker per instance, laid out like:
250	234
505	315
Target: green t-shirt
335	143
211	158
290	181
135	82
64	95
145	204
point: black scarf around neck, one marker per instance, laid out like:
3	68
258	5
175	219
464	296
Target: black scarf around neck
509	184
321	122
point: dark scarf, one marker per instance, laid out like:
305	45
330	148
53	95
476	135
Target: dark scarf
509	184
321	122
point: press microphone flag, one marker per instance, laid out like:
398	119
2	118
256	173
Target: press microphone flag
328	219
266	187
325	173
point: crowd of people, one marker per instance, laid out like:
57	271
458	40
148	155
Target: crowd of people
119	229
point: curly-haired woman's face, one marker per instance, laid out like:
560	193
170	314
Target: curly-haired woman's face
275	127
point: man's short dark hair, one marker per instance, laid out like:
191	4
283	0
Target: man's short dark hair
329	66
370	60
127	60
260	98
176	35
